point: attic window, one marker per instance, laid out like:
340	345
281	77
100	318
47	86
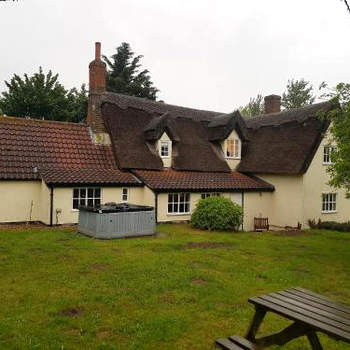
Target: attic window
233	149
164	149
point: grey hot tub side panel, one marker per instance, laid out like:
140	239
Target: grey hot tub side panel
117	225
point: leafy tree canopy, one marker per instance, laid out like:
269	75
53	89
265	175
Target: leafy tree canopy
254	107
298	94
339	170
41	96
124	75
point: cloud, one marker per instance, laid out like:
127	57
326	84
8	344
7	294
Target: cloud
201	53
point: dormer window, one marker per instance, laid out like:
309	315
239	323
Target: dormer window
164	149
233	149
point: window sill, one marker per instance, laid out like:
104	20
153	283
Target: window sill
329	212
327	163
177	214
75	210
233	158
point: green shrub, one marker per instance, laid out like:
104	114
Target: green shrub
217	213
330	225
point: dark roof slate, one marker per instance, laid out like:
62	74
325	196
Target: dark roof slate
171	180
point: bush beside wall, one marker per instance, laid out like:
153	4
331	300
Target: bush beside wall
217	213
330	225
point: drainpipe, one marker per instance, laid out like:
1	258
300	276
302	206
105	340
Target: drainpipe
156	207
242	209
51	205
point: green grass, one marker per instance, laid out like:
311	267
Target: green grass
180	290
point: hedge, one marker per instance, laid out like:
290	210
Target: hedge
330	225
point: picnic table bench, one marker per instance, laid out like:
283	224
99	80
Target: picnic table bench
310	313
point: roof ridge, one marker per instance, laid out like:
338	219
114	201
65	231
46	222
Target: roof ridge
23	119
143	99
287	110
41	168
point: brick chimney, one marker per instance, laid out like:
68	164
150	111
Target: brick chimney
272	104
97	72
97	86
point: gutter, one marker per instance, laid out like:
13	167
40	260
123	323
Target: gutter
156	207
242	210
51	205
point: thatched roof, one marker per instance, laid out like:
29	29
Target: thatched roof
285	142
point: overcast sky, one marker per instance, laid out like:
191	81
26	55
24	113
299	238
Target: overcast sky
201	53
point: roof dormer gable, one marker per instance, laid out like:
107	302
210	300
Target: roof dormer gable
158	126
222	126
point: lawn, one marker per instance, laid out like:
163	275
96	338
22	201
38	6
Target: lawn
179	290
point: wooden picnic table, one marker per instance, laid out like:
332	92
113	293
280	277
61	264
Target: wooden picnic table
310	313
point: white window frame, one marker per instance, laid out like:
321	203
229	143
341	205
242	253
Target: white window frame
125	194
327	154
86	198
210	194
168	144
329	203
236	149
176	203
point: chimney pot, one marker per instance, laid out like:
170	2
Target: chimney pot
97	50
272	104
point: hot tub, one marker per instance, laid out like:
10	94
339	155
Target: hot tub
117	221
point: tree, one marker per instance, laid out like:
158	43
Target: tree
299	93
78	102
339	116
41	96
254	107
124	75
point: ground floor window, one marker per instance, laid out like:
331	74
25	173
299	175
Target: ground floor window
90	196
210	194
125	194
329	202
178	203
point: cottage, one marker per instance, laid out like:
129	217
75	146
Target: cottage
151	153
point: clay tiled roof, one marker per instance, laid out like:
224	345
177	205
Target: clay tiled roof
88	176
29	147
171	180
